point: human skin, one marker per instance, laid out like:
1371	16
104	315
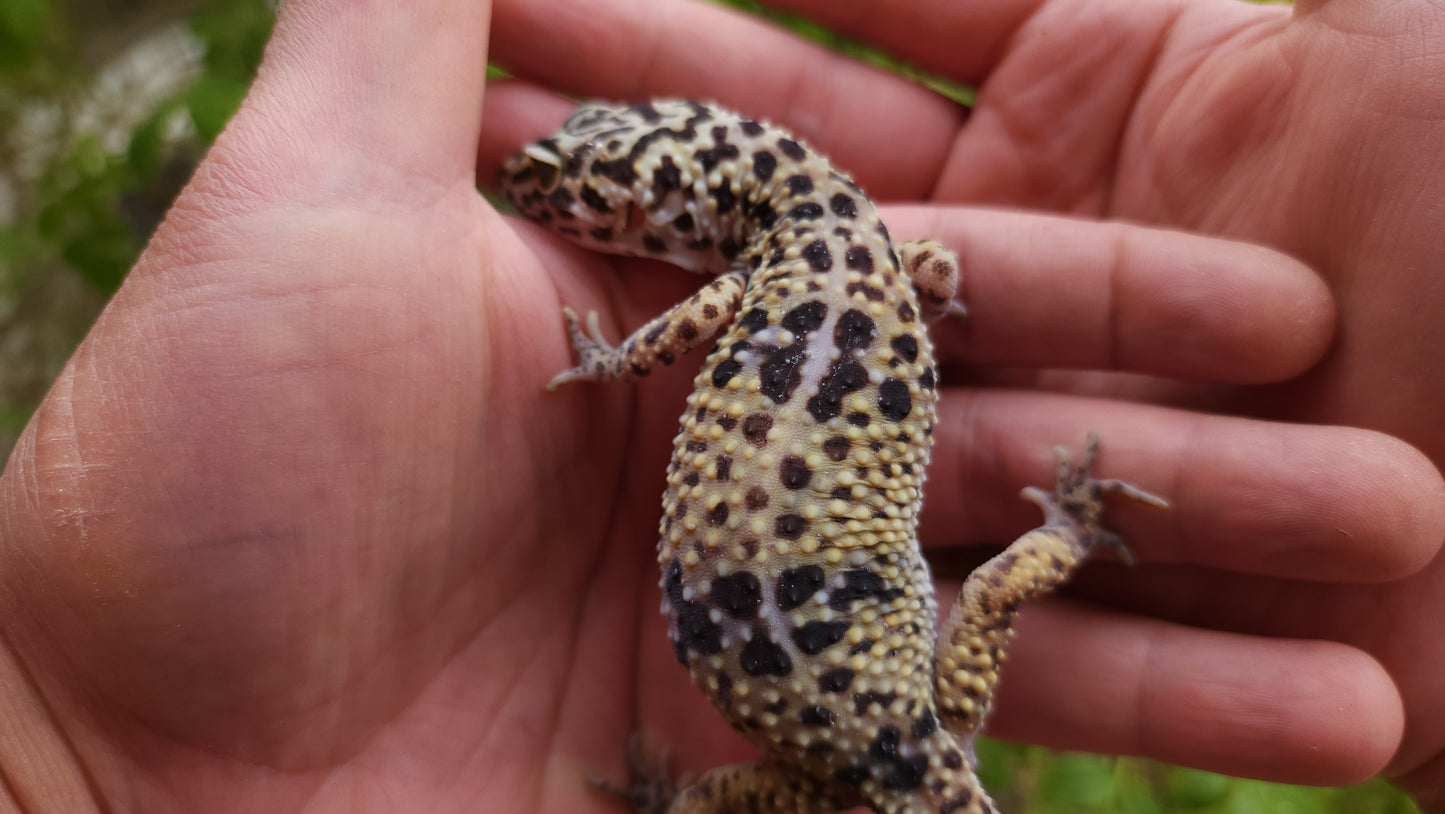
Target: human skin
299	529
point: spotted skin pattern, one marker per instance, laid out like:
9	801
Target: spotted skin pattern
795	590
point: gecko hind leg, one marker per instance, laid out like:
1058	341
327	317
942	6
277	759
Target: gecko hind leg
980	626
678	330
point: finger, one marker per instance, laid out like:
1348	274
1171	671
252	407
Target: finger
1393	621
1063	292
1284	710
356	88
891	134
1295	501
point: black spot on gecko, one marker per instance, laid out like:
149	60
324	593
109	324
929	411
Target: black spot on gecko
799	184
602	233
724	466
779	373
738	595
839	679
560	198
725	371
817	715
654	244
885	746
711	157
858	258
806	211
695	445
789	526
620	171
755	428
805	318
728	247
797	585
724	691
863	700
648	113
725	197
854	330
687	330
727	422
905	346
683	222
764	164
841	493
905	312
792	149
837	447
846	376
857	584
852	776
692	478
893	400
869	292
926	379
656	332
709	311
815	637
719	515
764	214
754	320
907	773
818	256
763	657
666	178
594	200
858	419
794	472
925	725
843	206
756	498
695	628
750	127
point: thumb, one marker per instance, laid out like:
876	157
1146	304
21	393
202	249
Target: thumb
350	96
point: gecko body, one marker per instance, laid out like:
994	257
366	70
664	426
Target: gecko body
796	593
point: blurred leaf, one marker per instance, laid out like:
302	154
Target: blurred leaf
212	101
1078	780
24	28
1190	789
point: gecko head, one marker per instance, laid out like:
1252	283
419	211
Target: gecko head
612	179
577	180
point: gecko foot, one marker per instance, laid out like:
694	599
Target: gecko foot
1077	502
593	351
648	788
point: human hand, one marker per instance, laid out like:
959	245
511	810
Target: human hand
1308	130
299	529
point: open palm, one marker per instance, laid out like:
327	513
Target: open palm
299	528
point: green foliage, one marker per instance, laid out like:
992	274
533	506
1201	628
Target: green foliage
88	167
1034	780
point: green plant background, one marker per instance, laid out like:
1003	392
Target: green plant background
89	162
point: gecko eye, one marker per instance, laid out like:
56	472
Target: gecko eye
544	152
546	161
